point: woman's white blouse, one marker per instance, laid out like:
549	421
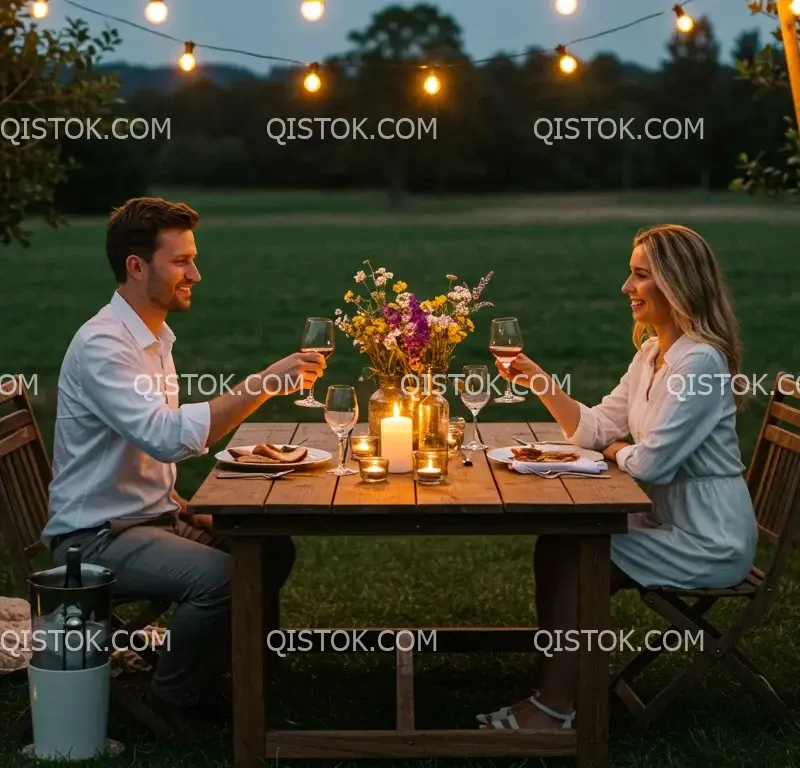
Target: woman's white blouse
702	531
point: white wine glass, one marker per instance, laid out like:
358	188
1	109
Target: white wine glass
505	343
319	335
475	393
341	415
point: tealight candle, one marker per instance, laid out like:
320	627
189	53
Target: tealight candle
363	446
374	469
455	437
430	467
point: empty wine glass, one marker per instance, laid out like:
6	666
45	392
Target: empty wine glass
475	394
505	343
341	415
318	336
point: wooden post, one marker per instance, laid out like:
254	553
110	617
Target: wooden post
789	33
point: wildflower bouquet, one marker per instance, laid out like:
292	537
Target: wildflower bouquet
403	335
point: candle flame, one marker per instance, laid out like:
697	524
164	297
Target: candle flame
396	410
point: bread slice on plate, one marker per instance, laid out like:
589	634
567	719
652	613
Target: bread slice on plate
282	456
254	459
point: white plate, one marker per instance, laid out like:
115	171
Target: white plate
314	456
504	454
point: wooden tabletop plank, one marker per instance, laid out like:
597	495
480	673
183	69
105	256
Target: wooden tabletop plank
467	489
548	430
518	491
620	489
353	496
215	495
309	490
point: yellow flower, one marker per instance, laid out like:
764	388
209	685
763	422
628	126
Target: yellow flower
348	297
399	286
470	324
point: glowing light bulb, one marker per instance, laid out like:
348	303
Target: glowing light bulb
156	11
684	22
312	82
566	7
795	7
432	84
39	10
312	10
568	64
187	62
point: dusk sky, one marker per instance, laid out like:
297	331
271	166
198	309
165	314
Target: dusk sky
275	27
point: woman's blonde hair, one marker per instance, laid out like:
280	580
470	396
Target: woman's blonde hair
688	274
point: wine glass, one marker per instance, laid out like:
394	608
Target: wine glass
505	343
318	336
341	414
474	395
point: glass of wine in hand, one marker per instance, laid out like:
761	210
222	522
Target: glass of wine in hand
341	414
318	336
505	343
474	395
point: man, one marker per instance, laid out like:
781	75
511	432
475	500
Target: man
120	431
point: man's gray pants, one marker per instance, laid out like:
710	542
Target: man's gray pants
170	560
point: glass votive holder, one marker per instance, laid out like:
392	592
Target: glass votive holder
363	446
374	469
455	436
430	467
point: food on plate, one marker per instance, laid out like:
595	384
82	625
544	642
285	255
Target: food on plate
251	458
267	453
531	454
274	452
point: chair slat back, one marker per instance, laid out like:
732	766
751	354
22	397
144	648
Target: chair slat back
774	473
25	475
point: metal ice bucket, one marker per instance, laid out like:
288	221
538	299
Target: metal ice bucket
70	668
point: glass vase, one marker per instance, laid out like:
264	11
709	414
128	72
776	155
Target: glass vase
383	401
433	415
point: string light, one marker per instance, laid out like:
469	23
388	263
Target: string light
312	82
795	7
684	21
566	7
187	62
156	11
312	10
431	84
567	63
39	10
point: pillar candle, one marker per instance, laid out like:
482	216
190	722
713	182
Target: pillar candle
396	441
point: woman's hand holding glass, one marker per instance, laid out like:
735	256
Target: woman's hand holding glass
522	370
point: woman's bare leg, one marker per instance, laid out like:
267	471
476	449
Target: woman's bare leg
556	570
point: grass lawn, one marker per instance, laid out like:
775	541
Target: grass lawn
259	282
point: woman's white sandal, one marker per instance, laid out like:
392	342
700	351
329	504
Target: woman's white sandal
513	725
502	713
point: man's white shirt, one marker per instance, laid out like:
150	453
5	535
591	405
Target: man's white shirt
119	427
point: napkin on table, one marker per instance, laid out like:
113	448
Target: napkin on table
582	465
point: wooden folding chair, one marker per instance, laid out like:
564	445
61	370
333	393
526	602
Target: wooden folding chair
773	479
25	475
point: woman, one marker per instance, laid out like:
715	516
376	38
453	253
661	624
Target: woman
677	404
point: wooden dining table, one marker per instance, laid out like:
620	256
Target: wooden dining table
486	499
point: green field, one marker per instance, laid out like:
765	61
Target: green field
261	277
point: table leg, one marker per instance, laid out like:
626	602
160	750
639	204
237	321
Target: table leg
594	603
247	627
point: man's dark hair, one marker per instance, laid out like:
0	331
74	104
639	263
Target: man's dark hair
134	227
